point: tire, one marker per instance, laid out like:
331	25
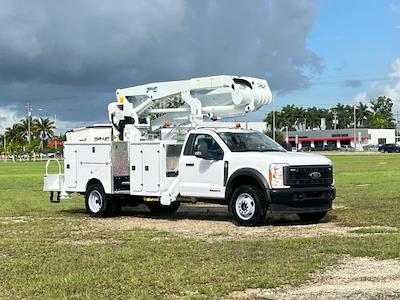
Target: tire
116	207
158	208
247	206
97	203
312	217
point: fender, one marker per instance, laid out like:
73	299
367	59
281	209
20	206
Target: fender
254	174
95	179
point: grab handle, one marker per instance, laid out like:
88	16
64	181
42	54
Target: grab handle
48	162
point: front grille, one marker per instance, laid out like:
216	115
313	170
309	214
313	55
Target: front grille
301	176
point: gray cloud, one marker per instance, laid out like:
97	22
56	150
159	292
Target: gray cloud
353	83
70	57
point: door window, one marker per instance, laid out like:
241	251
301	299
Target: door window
205	143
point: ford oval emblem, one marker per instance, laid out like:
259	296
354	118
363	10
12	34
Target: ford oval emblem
315	175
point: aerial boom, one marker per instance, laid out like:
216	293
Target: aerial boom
187	102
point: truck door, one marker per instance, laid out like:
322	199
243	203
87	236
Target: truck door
202	177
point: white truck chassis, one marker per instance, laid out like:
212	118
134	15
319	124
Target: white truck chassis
155	151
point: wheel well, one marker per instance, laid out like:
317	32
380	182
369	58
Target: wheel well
242	180
93	181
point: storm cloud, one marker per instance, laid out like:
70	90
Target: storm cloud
71	56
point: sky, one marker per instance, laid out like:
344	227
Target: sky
68	58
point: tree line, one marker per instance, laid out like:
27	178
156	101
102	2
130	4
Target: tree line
28	136
375	114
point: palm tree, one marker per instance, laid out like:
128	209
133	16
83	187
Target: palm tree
288	117
14	133
313	117
362	114
43	129
26	128
344	115
300	114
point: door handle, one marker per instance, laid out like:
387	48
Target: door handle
189	165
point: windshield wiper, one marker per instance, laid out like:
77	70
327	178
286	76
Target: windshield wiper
259	150
271	150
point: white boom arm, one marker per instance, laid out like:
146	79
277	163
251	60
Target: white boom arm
188	101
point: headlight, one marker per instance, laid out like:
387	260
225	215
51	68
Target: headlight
276	176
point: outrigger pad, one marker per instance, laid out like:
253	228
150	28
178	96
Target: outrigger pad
52	197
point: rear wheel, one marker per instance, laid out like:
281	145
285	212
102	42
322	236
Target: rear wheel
312	217
97	203
247	206
158	208
116	206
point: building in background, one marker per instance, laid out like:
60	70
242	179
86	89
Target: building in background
319	138
341	137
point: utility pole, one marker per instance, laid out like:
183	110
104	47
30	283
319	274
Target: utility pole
55	136
273	119
334	119
355	126
396	139
287	134
29	122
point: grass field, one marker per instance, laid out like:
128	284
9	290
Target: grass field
55	251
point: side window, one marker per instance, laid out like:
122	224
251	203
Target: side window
204	141
381	141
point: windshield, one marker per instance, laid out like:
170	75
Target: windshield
249	141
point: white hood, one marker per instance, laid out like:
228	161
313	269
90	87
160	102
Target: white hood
290	158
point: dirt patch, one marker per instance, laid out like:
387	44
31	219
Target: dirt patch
213	223
352	278
14	220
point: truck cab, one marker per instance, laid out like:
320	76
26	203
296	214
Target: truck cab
253	174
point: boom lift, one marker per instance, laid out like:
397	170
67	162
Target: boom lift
145	108
156	151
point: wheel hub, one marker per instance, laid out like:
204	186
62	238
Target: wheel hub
95	201
245	206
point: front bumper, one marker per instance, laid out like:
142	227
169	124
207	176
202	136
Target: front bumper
302	200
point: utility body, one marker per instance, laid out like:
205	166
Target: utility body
156	151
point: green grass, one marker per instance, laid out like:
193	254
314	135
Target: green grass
372	230
54	251
368	189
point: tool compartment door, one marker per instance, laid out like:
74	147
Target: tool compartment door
70	166
136	168
151	167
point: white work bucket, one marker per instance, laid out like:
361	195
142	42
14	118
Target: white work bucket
53	182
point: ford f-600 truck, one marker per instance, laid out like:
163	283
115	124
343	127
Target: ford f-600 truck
156	151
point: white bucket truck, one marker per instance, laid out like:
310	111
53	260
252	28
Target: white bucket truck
155	151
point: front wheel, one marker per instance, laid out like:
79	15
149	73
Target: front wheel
97	203
247	206
312	217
